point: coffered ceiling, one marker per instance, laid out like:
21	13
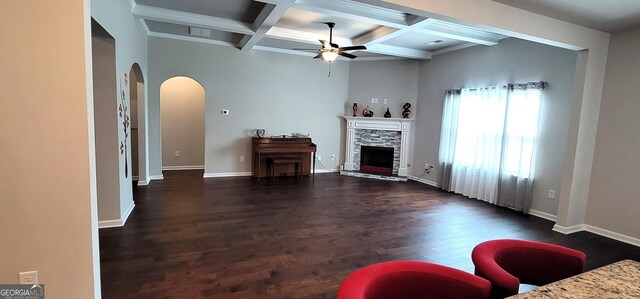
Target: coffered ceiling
282	25
603	15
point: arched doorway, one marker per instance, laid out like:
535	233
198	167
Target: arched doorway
182	106
139	136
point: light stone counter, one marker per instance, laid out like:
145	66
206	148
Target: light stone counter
620	280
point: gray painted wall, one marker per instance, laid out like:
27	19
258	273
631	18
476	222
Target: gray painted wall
131	47
395	80
613	196
512	60
278	92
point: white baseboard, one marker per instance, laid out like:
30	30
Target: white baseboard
424	181
542	215
568	229
128	212
612	235
109	223
186	167
117	222
598	231
225	174
156	177
144	183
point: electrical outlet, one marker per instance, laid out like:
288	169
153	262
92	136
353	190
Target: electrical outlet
385	101
426	166
319	157
552	194
373	100
241	158
333	157
177	153
30	277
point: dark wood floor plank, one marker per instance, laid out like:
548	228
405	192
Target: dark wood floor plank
190	237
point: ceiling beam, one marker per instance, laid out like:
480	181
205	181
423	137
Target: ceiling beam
454	48
355	11
382	34
190	19
268	17
192	39
399	51
377	35
304	36
467	37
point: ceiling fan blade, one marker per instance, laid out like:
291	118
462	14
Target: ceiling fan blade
317	56
347	55
325	44
334	45
299	49
353	48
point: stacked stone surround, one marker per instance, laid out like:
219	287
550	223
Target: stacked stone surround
380	138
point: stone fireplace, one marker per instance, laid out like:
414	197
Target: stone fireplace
385	142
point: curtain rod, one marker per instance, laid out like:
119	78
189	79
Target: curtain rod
535	84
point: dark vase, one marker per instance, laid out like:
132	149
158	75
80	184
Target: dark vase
387	114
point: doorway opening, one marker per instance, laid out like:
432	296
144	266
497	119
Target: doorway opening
139	140
105	102
182	106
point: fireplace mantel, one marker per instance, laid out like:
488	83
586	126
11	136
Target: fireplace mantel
402	125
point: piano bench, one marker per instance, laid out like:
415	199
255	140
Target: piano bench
273	161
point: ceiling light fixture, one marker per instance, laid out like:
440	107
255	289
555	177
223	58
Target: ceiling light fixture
329	56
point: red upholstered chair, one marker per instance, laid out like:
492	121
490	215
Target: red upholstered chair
507	263
412	280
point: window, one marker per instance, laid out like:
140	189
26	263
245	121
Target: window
521	130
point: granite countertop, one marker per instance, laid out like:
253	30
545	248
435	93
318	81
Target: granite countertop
619	280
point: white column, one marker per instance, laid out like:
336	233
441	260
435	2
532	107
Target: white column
348	157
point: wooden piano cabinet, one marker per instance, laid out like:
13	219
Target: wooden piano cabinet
264	148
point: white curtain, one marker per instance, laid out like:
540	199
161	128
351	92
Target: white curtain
487	143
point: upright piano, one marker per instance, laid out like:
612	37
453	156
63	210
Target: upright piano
283	147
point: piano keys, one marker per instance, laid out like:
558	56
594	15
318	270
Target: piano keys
283	147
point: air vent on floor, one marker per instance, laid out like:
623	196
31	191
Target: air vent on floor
195	31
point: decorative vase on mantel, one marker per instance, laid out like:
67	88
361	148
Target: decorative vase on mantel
366	112
406	111
387	114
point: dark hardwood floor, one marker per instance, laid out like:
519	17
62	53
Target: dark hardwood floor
190	237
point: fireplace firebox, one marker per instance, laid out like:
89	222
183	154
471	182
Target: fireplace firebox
376	159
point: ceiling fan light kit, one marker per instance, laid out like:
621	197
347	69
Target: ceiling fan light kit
329	56
330	51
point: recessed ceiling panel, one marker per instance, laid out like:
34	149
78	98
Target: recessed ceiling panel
184	31
364	54
239	10
309	21
287	45
420	41
606	15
